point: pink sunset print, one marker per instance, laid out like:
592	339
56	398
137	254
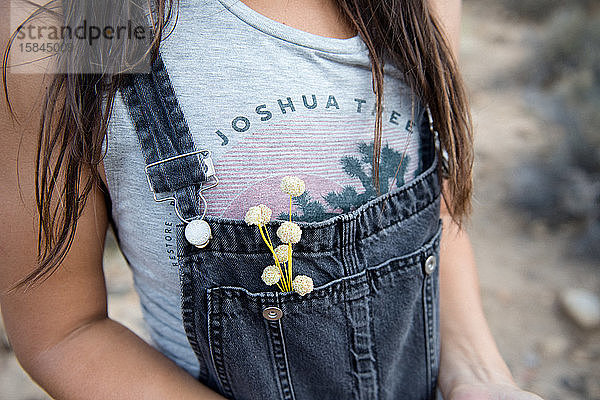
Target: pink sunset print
267	192
307	146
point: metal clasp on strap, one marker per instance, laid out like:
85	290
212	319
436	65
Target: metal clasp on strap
437	141
208	168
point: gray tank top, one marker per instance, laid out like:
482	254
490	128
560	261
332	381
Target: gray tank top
267	100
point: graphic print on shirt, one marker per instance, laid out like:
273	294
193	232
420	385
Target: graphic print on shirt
324	139
392	168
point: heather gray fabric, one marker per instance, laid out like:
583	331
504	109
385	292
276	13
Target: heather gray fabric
226	61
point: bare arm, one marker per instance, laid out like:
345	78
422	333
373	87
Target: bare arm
471	366
59	330
469	353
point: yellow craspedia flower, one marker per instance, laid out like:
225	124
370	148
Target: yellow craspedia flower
292	185
258	215
289	232
281	252
302	284
252	216
265	214
271	275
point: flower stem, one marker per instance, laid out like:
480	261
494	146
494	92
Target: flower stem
289	265
270	243
268	237
274	256
279	286
289	281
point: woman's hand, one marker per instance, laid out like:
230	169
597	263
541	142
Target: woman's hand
490	392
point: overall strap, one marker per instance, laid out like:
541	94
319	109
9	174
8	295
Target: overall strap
432	146
175	169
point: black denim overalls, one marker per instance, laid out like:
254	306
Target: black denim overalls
368	330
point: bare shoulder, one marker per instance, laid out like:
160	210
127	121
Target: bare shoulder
448	13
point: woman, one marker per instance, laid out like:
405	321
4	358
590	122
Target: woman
368	329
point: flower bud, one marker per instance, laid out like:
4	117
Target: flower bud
281	252
289	232
271	275
292	185
258	215
302	284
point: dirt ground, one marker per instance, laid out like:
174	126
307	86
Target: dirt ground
523	266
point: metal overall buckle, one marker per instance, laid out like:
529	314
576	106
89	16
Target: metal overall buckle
438	144
197	230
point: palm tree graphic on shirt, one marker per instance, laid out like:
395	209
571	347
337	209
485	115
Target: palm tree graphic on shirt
348	199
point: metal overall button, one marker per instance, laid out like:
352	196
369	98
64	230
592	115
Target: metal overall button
430	264
198	233
272	313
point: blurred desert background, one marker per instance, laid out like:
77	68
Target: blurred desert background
533	72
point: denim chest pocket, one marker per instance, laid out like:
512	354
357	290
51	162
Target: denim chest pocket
368	335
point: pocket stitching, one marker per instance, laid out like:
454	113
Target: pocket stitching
429	310
222	380
357	283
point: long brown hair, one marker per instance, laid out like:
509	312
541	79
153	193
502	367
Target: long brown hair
77	109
